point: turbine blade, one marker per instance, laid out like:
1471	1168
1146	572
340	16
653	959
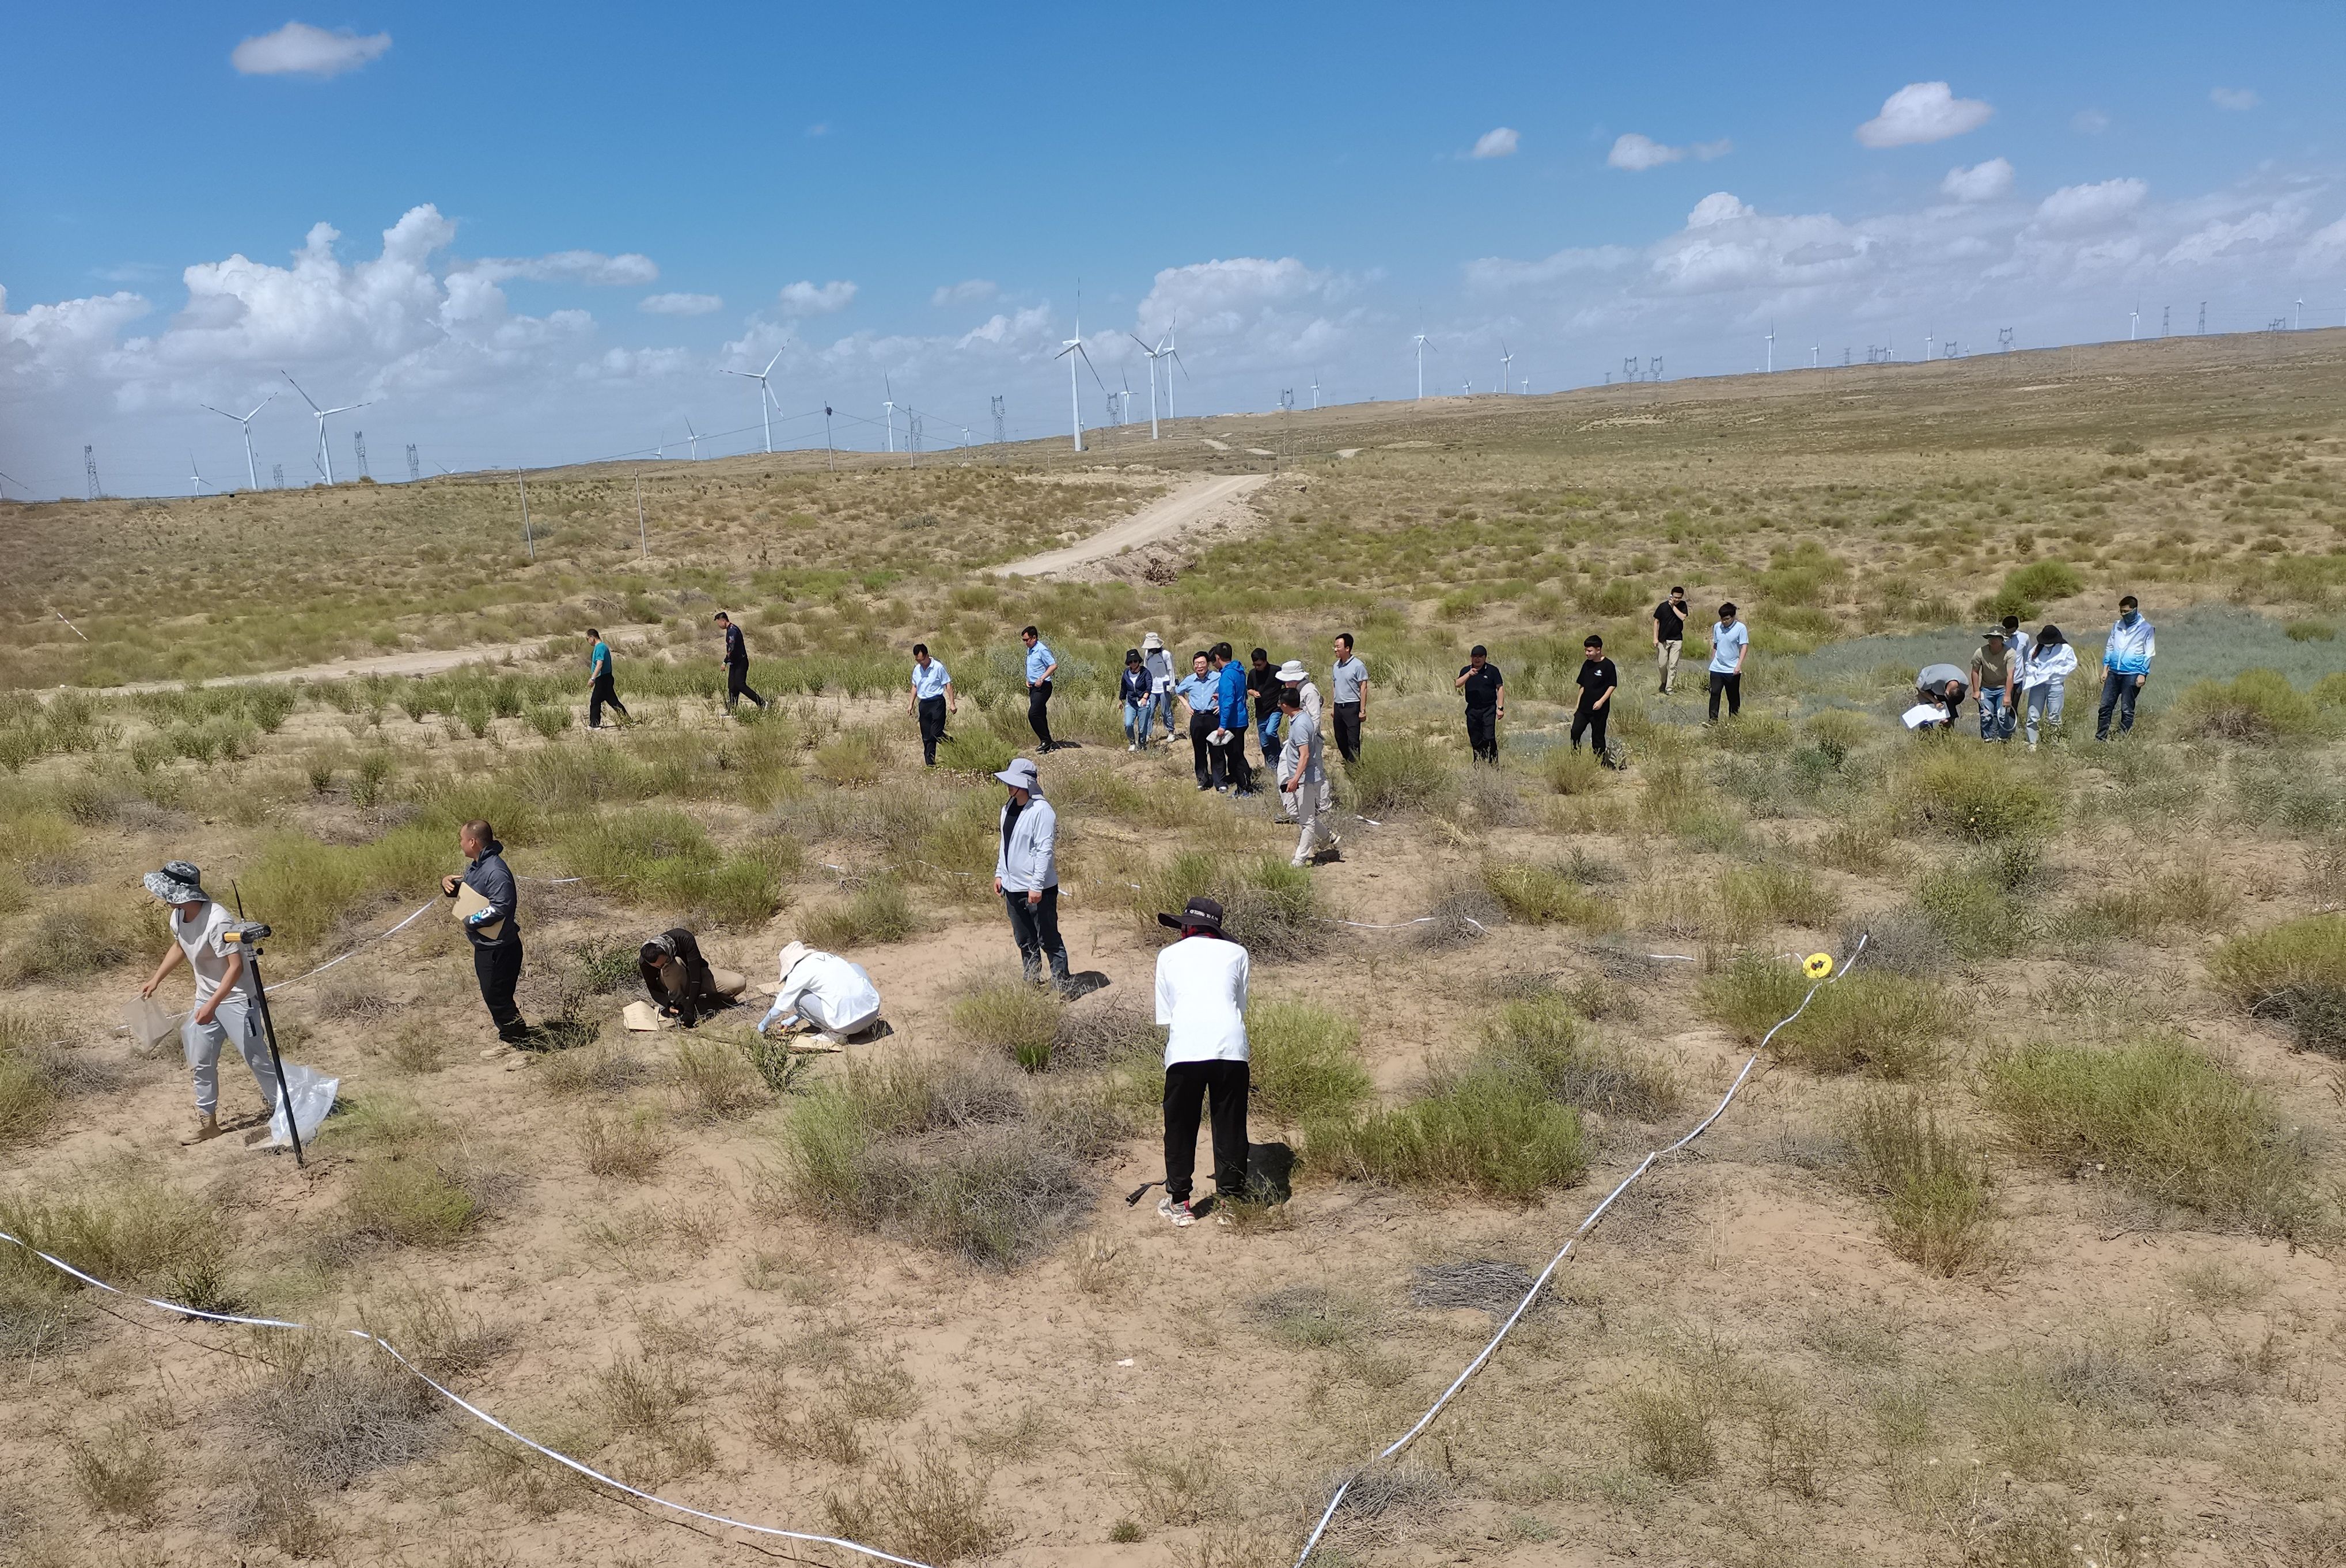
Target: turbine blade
769	365
297	387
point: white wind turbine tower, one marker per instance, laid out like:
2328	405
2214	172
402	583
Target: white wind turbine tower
251	469
1420	342
1507	366
195	479
1155	354
765	394
888	409
2132	317
693	437
1071	350
1772	348
1315	389
325	455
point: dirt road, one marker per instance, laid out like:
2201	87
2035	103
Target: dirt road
426	661
1156	521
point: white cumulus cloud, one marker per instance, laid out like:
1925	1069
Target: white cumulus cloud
629	271
1719	206
297	49
810	299
1922	112
2239	99
2089	208
1499	143
968	291
1980	182
1636	152
679	304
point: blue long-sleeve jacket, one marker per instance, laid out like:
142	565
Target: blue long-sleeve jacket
491	879
1233	697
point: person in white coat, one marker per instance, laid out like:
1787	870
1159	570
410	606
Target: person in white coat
1026	872
1159	665
823	991
1201	998
2043	676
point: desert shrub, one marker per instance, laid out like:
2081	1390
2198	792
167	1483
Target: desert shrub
852	760
1883	1024
27	1097
1862	848
975	751
1774	893
549	719
1972	911
1489	1129
1541	1038
1304	1062
2255	707
330	1411
2302	631
932	1509
660	857
1010	1016
2294	971
120	1471
629	1147
878	911
2165	1119
1670	1430
1550	893
85	935
713	1079
2027	589
1399	773
1569	770
2151	903
1274	909
411	1201
1932	1183
1979	793
121	1225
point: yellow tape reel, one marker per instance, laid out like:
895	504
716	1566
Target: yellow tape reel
1820	965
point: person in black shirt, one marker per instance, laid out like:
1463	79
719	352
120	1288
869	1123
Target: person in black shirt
1486	702
1669	636
737	665
678	978
1598	680
1262	686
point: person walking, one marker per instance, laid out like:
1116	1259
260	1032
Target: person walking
1730	639
1302	774
1598	681
932	698
1262	688
225	1008
1293	676
1348	685
2043	676
2126	667
602	692
1486	702
1137	692
1201	693
1231	715
1026	872
1990	685
1201	999
1670	636
493	929
1040	664
1160	676
737	665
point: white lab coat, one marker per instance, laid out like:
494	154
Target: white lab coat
826	990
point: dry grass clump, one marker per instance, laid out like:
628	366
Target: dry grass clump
1542	1038
2255	707
120	1473
1103	1034
1669	1428
714	1078
1975	792
84	934
1269	907
1933	1184
28	1096
2189	898
2168	1121
410	1183
1487	1284
2294	971
1304	1062
1773	893
629	1147
1553	892
932	1510
878	911
1399	773
126	1227
1881	1024
1014	1018
953	1154
1461	915
603	1068
332	1409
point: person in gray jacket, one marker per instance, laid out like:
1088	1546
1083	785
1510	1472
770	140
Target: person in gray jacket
1026	872
494	931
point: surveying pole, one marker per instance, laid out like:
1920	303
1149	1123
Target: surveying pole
249	934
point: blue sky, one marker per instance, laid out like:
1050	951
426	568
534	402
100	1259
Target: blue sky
913	193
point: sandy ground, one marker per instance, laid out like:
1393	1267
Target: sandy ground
1204	501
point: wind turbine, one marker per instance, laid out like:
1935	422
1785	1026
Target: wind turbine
1162	349
1173	351
325	455
1507	366
2301	315
765	394
195	479
888	408
1315	389
693	437
2132	317
1071	350
1422	346
1772	348
244	421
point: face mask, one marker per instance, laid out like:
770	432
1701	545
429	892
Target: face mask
2126	618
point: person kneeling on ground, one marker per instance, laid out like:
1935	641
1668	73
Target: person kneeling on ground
225	1009
824	992
1201	998
680	981
1302	774
1026	872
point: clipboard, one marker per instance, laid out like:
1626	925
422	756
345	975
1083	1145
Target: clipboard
469	902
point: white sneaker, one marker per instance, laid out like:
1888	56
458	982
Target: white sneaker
1179	1213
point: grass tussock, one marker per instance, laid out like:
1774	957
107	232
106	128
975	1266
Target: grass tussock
1018	1021
29	1097
119	1473
126	1227
1400	773
2166	1120
83	934
1542	1039
2255	708
2294	971
1978	793
1883	1024
1937	1210
1551	892
932	1509
1305	1061
331	1411
410	1183
1775	893
878	911
714	1078
629	1147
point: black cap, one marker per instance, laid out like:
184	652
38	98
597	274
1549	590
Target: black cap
1203	913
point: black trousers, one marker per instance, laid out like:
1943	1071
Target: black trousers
1348	731
1235	766
1483	733
1732	685
498	969
933	727
1039	713
2119	695
1186	1085
1206	755
1592	721
603	692
736	685
1035	928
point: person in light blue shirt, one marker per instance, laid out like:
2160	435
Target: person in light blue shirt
2126	667
1202	695
1040	664
602	692
933	694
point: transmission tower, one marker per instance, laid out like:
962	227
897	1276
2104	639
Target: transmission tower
358	443
916	424
2203	318
2004	340
90	467
2166	319
998	436
277	476
1629	367
1655	372
414	469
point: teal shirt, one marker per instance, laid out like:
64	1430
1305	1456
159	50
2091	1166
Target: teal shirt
598	662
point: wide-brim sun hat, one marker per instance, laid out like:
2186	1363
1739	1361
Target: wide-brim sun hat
1151	643
792	954
1293	670
1201	913
177	883
1020	775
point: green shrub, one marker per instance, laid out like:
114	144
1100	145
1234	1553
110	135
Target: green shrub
1975	792
1541	1039
855	758
549	718
2294	971
1774	893
975	751
84	934
1968	908
1304	1062
1019	1020
1932	1183
1549	894
2257	708
2165	1119
1883	1024
659	856
1399	773
878	911
122	1225
1571	771
1488	1130
2311	632
2027	589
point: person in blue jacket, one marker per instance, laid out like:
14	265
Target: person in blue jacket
494	931
2126	667
1230	686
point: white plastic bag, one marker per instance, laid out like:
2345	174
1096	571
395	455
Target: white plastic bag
149	1025
1923	713
312	1093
